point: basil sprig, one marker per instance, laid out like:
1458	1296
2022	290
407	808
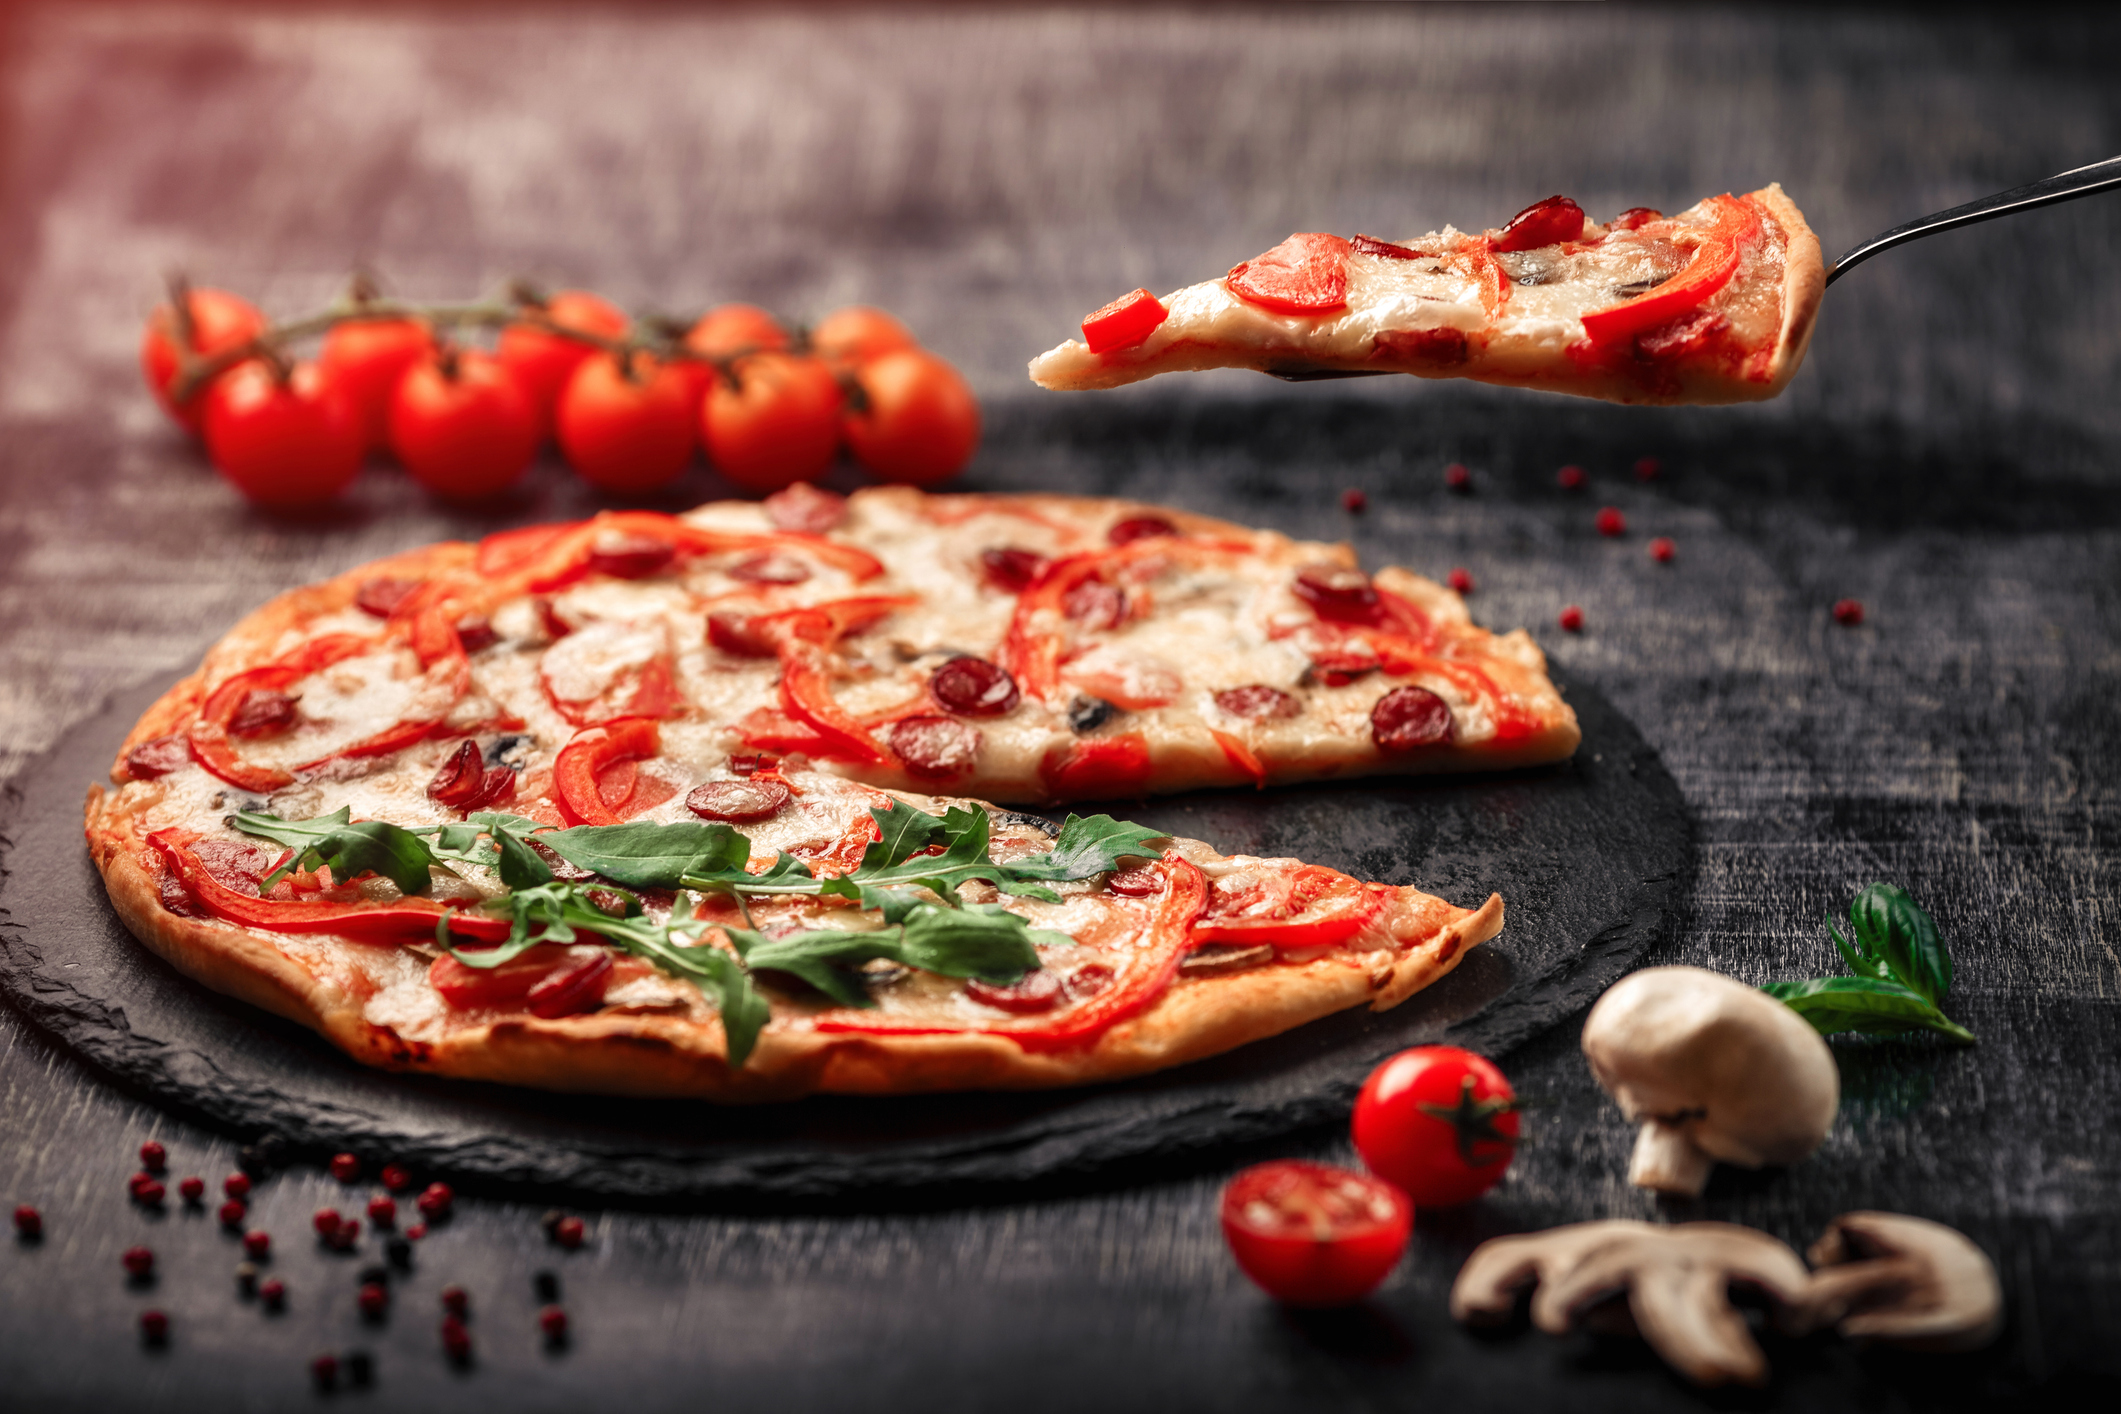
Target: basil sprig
1901	973
911	911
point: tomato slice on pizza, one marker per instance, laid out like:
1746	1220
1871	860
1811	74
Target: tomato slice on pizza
1712	305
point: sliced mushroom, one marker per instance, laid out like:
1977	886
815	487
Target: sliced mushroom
1712	1069
1677	1281
1907	1281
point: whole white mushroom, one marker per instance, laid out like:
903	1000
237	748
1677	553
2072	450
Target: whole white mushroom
1712	1070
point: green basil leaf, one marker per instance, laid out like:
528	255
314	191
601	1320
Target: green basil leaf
1889	926
1864	1004
1090	845
651	856
1859	962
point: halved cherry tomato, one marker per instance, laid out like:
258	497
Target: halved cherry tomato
283	444
1715	261
627	428
1125	322
1321	907
1305	274
731	329
774	421
219	320
1437	1122
366	358
543	362
917	420
462	425
575	771
858	333
548	981
1543	223
1098	768
1314	1235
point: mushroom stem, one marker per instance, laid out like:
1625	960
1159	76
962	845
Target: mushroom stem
1667	1161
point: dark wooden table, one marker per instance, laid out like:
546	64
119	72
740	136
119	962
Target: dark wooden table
1951	456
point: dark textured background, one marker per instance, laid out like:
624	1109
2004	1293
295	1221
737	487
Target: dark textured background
1948	456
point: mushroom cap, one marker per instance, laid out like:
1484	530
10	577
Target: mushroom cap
1742	1076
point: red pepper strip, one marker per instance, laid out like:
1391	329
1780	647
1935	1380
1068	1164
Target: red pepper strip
208	736
510	550
1125	322
587	753
1330	908
764	729
1477	263
407	920
1144	977
427	617
564	558
1031	652
1402	657
1241	756
1715	262
1402	615
804	639
1100	768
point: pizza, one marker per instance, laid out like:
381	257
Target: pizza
1713	305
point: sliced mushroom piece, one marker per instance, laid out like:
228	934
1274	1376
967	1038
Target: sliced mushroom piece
1906	1281
1677	1281
1712	1069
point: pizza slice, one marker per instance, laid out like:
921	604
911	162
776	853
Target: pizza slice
1713	305
756	934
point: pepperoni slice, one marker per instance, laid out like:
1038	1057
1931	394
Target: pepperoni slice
1342	664
974	687
1041	990
1140	528
152	759
1010	569
262	712
805	509
770	569
1407	717
738	802
381	597
1305	274
935	746
1088	980
475	632
1343	595
1256	702
1543	223
1096	605
625	555
1135	883
466	782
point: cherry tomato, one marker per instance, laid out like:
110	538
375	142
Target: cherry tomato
283	444
219	319
542	363
731	329
859	333
1437	1122
778	423
366	358
919	421
462	426
1314	1235
627	430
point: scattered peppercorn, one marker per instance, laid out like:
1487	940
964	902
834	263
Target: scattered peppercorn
547	1286
236	1185
382	1212
153	1157
1647	468
233	1212
396	1177
456	1301
345	1167
1462	580
327	1221
154	1327
247	1278
416	1231
193	1189
553	1321
374	1299
398	1252
1572	619
1662	550
1848	612
257	1243
138	1182
1457	477
360	1369
1570	478
568	1232
139	1262
1612	522
325	1371
28	1221
1353	501
346	1236
150	1193
456	1340
273	1292
435	1200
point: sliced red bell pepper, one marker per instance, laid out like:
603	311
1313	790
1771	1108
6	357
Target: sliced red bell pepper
549	980
765	729
1402	657
1305	274
1145	975
804	639
575	771
1124	323
1324	907
1098	768
1715	261
565	557
209	737
507	551
407	920
1241	756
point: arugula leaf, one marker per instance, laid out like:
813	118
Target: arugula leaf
349	850
520	866
648	855
1891	929
980	941
1090	845
1864	1004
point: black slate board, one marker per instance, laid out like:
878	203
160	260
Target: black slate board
1588	856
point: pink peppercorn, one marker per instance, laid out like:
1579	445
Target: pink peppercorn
436	1198
1662	550
233	1212
396	1177
153	1157
139	1261
327	1221
416	1231
1612	522
1462	580
345	1236
345	1167
456	1301
193	1189
1570	478
568	1232
374	1298
273	1292
155	1326
150	1193
382	1212
28	1221
1353	501
1572	618
455	1338
257	1243
325	1370
1457	477
1648	468
236	1185
1848	612
553	1321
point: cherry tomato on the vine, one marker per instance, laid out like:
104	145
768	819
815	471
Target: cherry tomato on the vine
916	421
1314	1235
219	321
859	333
628	428
542	363
366	358
777	423
461	424
730	329
291	443
1439	1123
